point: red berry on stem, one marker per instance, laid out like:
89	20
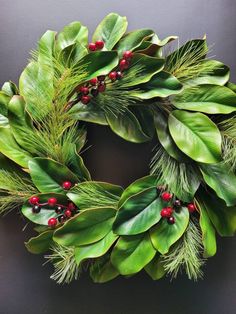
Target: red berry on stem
85	99
177	203
34	200
191	207
52	201
127	54
101	77
166	212
93	81
166	196
113	76
71	206
124	64
171	220
94	92
66	185
62	218
102	87
36	209
99	44
84	90
92	47
119	75
68	213
52	222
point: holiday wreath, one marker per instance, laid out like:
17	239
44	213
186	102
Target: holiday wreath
163	223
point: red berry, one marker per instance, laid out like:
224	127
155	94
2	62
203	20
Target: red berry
113	76
127	54
191	207
68	213
66	185
93	81
52	222
166	196
101	87
34	200
94	91
101	78
171	220
52	201
124	64
166	212
99	44
71	206
92	47
85	99
84	90
119	75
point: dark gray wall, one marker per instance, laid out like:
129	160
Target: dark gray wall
25	286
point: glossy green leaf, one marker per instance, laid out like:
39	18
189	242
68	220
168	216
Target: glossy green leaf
231	86
10	148
196	135
207	98
73	33
96	249
46	211
4	122
70	55
10	88
208	231
164	235
133	40
127	126
144	114
139	213
222	217
132	253
155	268
41	243
110	30
4	101
161	84
49	175
87	227
77	166
102	270
221	180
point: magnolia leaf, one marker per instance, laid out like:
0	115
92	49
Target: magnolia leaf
46	211
77	166
49	175
161	84
221	180
163	235
41	243
208	231
207	98
87	227
196	135
10	88
70	55
4	101
71	34
110	30
155	268
96	249
231	86
132	253
144	115
139	213
102	270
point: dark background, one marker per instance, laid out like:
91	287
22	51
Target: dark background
25	286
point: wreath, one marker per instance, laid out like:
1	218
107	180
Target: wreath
163	223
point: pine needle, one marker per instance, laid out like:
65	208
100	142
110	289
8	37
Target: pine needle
66	268
186	254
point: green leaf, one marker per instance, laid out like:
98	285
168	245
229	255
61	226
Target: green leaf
161	84
70	55
10	148
218	74
208	231
139	213
41	243
88	113
221	180
144	68
96	249
164	235
10	88
196	135
110	30
155	268
222	217
144	114
127	126
207	98
133	40
132	253
4	101
231	86
48	175
77	166
102	270
87	227
73	33
46	211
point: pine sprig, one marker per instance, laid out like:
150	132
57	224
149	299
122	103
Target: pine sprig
186	254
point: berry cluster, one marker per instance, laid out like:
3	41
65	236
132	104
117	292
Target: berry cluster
98	84
98	45
167	212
